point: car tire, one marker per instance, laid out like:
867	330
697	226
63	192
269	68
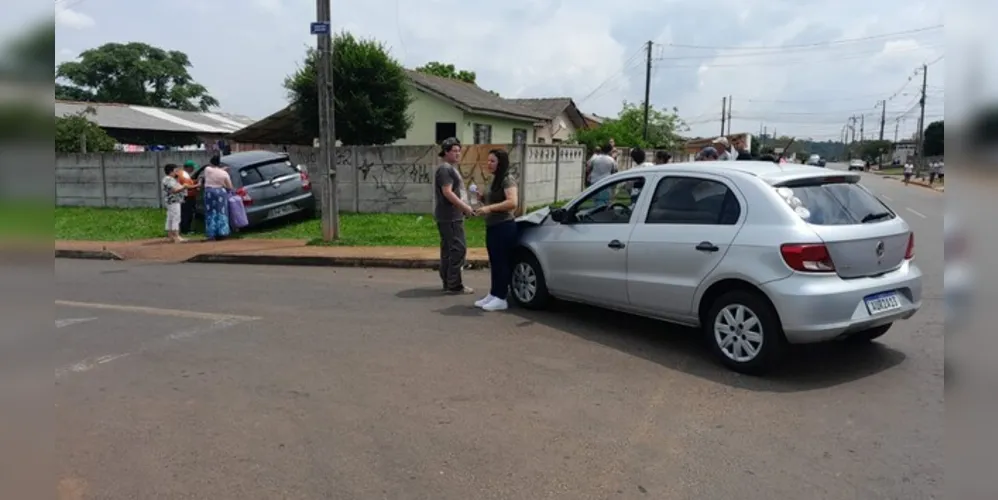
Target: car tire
527	285
869	335
733	350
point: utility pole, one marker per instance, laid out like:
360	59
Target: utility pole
883	118
862	128
647	87
897	128
920	137
724	113
327	122
730	100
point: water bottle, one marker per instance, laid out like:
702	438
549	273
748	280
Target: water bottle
473	190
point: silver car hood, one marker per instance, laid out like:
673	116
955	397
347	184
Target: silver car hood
535	218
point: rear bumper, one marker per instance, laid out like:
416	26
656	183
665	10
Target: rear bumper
257	214
821	308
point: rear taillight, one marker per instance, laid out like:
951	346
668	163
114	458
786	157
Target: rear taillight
909	252
247	199
807	258
306	183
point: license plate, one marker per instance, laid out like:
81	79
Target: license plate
883	302
281	211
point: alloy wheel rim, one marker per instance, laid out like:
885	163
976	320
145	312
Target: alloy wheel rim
524	282
738	333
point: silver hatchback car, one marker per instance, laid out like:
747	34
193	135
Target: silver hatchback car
757	255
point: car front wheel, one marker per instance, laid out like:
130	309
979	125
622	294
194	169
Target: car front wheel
527	285
744	332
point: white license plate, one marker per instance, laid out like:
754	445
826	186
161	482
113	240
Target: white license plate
281	211
883	302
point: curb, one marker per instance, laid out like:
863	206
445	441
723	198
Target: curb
317	261
913	183
87	254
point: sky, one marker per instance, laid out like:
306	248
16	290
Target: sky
793	67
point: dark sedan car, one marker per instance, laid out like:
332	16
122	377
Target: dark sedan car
270	185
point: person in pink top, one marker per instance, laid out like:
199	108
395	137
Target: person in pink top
217	186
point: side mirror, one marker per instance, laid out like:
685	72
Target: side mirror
558	215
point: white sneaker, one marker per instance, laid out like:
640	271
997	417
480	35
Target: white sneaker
484	300
496	304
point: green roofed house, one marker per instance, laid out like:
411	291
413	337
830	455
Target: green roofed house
441	108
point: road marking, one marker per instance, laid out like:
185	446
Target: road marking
91	363
177	313
63	323
888	198
916	213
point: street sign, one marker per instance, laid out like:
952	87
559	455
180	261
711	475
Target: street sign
320	28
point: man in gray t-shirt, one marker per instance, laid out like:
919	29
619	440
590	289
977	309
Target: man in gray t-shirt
601	166
449	209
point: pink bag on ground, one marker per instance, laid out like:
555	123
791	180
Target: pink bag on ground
237	212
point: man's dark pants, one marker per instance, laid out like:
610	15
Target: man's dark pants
453	251
187	215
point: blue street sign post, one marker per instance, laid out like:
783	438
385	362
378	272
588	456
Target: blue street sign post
320	28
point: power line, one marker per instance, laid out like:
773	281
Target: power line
816	44
612	76
853	56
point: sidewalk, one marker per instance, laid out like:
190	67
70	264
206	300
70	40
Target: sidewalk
261	251
914	182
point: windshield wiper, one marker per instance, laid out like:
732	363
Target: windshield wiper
875	216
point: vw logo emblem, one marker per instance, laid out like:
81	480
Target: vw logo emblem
880	249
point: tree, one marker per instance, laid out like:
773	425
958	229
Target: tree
874	150
447	71
74	131
370	88
627	129
133	73
934	140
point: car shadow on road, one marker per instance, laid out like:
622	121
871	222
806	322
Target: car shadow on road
682	349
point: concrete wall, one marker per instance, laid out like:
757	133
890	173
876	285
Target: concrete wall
378	179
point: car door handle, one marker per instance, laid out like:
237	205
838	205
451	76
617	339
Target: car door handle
706	246
616	245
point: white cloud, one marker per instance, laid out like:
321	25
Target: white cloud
69	18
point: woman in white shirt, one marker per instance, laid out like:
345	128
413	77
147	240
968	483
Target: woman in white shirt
909	170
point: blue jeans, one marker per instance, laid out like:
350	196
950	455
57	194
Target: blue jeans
500	240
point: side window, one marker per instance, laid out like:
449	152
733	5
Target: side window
690	200
249	176
611	204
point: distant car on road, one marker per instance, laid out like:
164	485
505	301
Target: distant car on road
757	255
270	186
857	165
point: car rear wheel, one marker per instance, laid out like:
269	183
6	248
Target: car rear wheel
744	332
527	284
869	335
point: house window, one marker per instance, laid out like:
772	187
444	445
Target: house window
519	136
483	133
445	130
540	140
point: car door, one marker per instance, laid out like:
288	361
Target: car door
587	252
687	228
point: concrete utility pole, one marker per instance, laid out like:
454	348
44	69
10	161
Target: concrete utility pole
644	134
897	128
883	118
724	113
862	128
730	100
327	122
920	137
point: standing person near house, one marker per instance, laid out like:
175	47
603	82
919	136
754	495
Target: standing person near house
191	199
173	196
217	185
662	157
450	209
499	209
723	148
639	157
600	167
741	151
909	170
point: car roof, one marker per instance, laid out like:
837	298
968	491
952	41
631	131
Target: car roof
769	172
246	158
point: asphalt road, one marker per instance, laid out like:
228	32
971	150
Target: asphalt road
219	381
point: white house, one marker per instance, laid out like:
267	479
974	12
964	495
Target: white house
563	118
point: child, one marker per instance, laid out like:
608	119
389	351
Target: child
173	195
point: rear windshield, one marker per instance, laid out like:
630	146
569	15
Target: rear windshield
835	204
264	173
